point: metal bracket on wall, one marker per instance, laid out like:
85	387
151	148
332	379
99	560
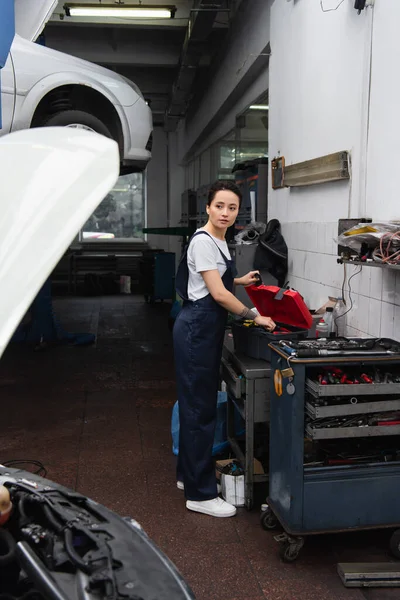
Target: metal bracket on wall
277	172
332	167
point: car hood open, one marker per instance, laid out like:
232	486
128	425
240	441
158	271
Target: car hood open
51	180
31	17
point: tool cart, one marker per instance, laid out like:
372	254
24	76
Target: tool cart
246	369
334	439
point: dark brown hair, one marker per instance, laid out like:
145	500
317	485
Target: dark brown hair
223	185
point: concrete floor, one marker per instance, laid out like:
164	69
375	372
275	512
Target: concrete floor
98	417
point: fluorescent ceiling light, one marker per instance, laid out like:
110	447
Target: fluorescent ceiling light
119	11
259	107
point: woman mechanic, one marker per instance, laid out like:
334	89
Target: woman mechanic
205	280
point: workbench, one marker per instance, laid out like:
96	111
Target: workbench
308	499
248	390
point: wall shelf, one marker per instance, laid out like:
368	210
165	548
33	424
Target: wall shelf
359	263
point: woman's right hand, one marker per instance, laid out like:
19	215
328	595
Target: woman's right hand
265	322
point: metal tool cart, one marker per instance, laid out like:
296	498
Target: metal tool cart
247	381
249	368
343	396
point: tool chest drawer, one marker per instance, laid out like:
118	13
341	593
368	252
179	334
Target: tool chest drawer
319	432
317	390
352	402
345	407
234	381
240	389
361	419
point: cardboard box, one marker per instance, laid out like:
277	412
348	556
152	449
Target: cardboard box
220	464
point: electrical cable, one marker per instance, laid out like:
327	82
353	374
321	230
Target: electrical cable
13	464
388	250
344	281
350	298
329	9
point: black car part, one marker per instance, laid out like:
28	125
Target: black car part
60	545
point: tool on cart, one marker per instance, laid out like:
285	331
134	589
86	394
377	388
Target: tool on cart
335	376
316	353
343	347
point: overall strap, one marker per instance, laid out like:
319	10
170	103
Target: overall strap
227	260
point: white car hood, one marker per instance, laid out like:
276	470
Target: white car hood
62	175
31	17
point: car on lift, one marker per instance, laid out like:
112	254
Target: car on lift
41	87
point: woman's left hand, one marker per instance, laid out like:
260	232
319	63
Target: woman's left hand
250	278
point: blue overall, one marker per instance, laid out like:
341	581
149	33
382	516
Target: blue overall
198	340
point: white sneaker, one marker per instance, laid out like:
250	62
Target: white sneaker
215	507
181	486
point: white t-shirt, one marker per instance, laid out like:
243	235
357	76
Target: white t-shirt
203	255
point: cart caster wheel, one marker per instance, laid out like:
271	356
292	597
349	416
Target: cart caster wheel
268	520
290	548
395	543
289	552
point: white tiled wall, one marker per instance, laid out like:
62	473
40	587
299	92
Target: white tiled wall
315	273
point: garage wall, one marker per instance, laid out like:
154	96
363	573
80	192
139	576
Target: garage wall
319	103
383	143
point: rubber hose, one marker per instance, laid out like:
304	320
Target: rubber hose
21	508
57	526
73	555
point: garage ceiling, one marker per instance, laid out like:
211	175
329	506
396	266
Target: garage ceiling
166	58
